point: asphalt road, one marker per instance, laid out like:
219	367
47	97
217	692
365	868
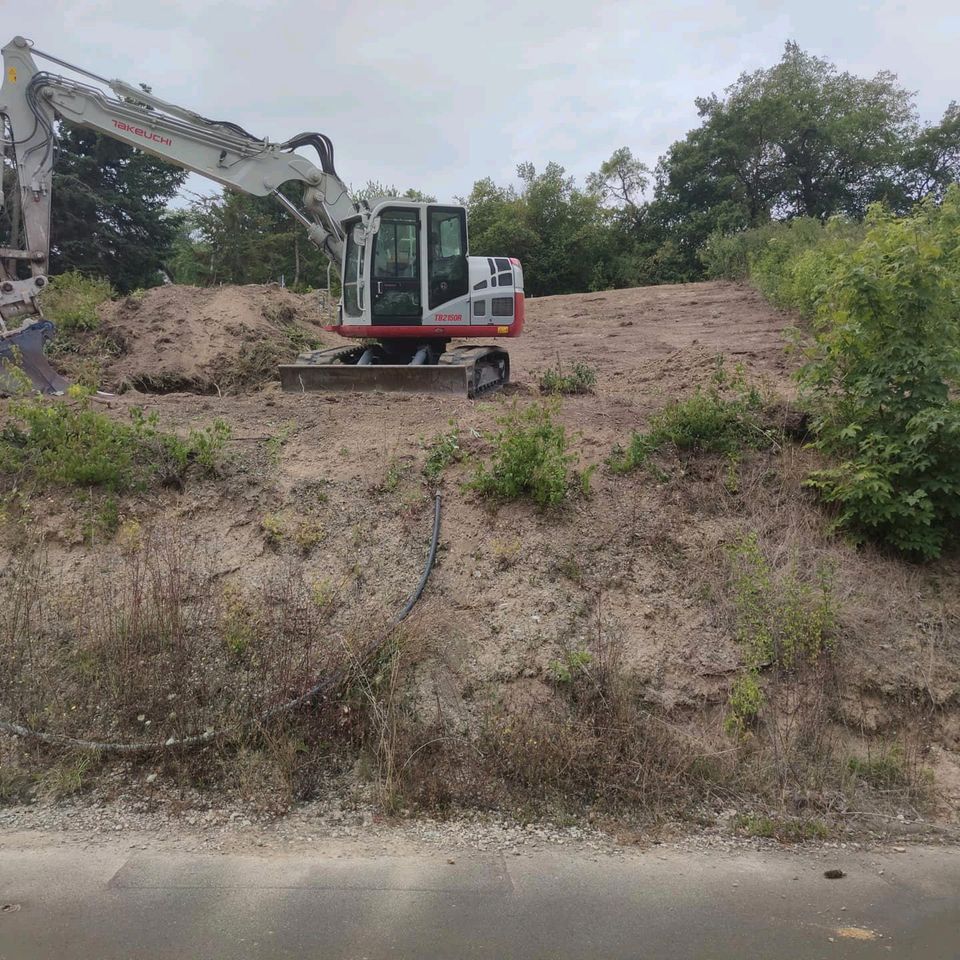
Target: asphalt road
106	902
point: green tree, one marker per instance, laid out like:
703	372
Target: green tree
798	139
109	216
238	238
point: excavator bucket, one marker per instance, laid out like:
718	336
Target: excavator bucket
465	371
23	366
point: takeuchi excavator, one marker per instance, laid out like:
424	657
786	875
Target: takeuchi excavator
408	285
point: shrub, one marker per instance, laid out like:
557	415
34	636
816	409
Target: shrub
582	379
746	701
787	262
882	380
722	419
781	620
65	441
71	301
531	459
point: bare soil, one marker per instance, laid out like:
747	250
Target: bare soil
203	340
642	561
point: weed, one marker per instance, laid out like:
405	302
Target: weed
274	529
102	519
308	533
582	379
65	778
238	622
573	663
393	476
71	301
721	419
782	622
884	770
782	829
129	536
569	567
324	595
65	441
444	449
506	551
277	442
531	459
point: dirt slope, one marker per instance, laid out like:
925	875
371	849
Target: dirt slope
637	564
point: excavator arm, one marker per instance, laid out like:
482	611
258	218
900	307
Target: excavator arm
32	100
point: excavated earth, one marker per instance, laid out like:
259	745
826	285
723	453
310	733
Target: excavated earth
641	560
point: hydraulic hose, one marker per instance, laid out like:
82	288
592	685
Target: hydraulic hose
322	688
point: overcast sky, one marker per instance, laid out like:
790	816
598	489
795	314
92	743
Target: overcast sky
438	93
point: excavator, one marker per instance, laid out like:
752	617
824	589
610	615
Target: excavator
409	287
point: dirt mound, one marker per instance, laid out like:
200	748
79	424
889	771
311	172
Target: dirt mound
205	340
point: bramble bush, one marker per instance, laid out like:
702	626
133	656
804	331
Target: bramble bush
882	373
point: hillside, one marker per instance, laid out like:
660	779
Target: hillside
321	511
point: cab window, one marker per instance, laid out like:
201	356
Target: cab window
448	254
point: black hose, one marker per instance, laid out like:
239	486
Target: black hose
319	690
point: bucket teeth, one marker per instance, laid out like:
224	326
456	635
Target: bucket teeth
23	366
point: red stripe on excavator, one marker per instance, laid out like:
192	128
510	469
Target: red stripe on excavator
429	330
519	313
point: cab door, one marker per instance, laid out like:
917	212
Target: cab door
447	255
395	294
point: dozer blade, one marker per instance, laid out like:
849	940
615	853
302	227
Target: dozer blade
401	378
464	371
23	367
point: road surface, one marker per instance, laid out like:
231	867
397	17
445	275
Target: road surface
106	901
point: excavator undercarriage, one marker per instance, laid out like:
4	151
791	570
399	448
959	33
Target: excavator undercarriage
464	370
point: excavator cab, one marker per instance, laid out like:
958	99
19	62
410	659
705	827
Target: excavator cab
410	285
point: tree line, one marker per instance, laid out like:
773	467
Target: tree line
798	139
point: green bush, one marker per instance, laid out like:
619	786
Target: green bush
582	379
787	262
882	381
531	459
71	301
724	418
65	441
745	702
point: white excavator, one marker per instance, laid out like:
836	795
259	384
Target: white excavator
409	287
